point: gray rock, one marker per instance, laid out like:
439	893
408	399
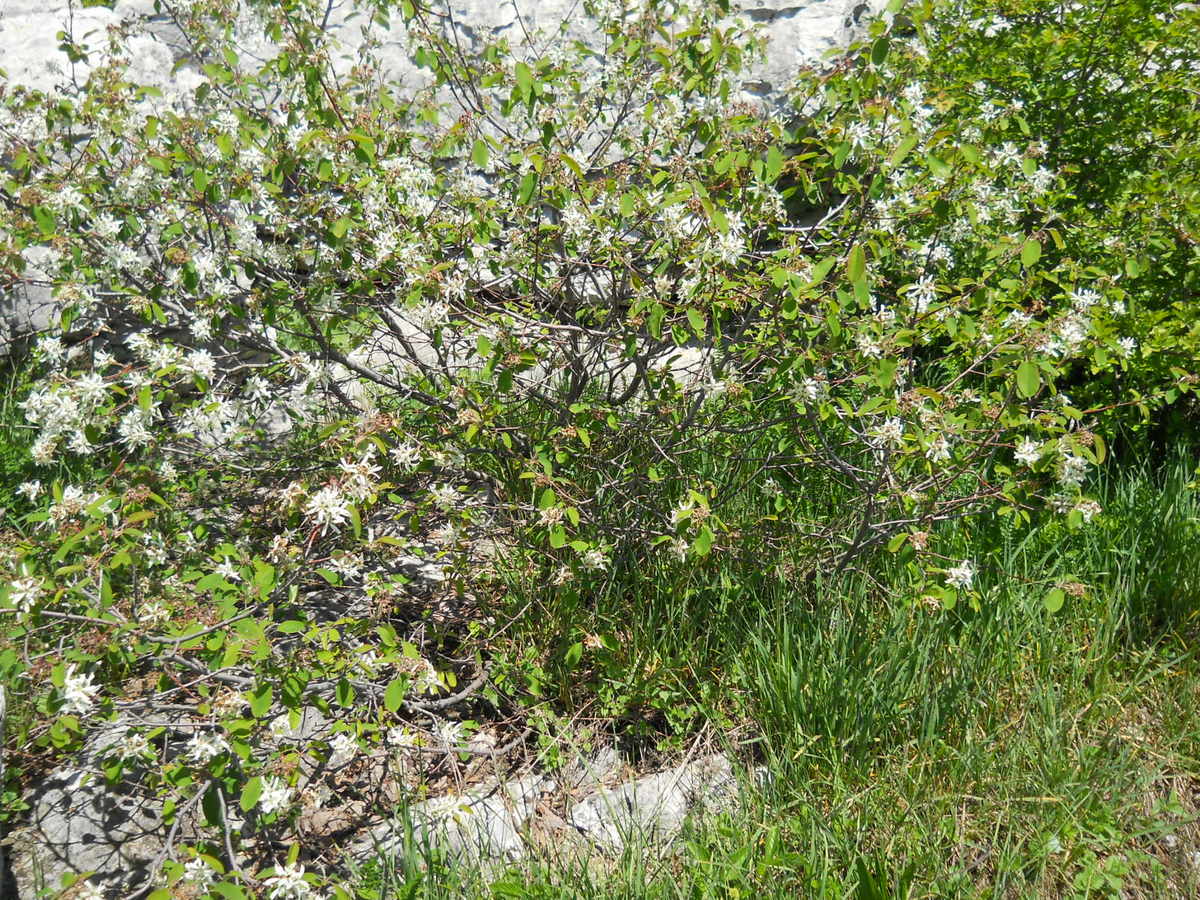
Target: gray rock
79	824
653	809
483	824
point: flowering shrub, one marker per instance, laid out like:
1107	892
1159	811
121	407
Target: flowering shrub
322	336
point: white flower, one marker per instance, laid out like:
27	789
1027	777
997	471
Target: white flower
1041	179
199	363
399	736
206	745
1017	319
813	388
23	593
450	733
91	388
327	507
52	349
1071	470
1084	299
167	471
133	745
288	883
890	432
275	796
134	429
154	613
939	449
923	293
199	873
1089	509
79	692
960	576
361	477
444	496
594	560
1028	452
1128	345
869	346
280	725
405	455
228	570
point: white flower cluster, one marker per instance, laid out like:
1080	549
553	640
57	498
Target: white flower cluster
79	692
327	508
288	883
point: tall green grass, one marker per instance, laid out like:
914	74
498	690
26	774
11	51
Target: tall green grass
910	750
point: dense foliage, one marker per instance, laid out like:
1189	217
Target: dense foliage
567	320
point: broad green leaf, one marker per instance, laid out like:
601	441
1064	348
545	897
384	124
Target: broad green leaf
1028	379
393	697
528	184
250	794
1031	252
856	264
1054	599
479	153
524	78
901	152
879	51
573	655
774	164
260	699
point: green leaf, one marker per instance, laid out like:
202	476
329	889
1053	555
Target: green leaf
1031	252
479	153
228	890
573	655
1028	379
703	542
250	794
856	264
905	147
696	320
528	184
44	219
344	693
211	804
393	697
774	164
524	76
260	699
879	51
1054	599
339	228
558	537
885	374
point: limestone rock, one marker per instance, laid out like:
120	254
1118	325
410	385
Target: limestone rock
483	824
653	808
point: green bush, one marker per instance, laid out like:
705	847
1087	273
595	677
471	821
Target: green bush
574	314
